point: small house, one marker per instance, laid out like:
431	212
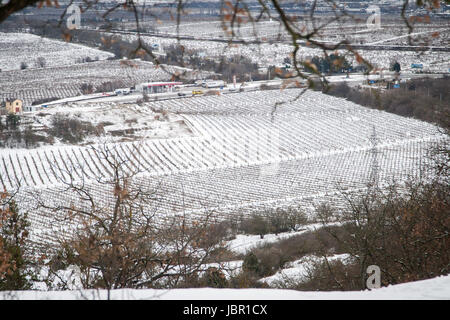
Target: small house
14	106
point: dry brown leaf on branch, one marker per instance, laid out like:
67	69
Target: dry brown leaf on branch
311	65
128	63
278	71
286	83
289	74
435	34
298	84
227	17
414	19
141	52
358	58
229	5
67	37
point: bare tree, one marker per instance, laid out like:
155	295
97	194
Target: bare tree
403	229
15	254
119	239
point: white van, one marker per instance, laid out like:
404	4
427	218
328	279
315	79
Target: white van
215	84
122	91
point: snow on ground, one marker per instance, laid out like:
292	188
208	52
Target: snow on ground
16	48
229	268
431	289
119	122
297	270
56	82
245	243
71	277
324	142
266	54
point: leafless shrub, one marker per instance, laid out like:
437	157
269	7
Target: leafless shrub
131	121
40	62
405	232
109	86
71	129
212	93
328	276
86	88
273	221
246	280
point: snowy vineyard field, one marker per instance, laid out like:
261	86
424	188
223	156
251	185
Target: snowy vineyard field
240	158
16	48
214	30
266	54
238	190
66	81
229	130
354	32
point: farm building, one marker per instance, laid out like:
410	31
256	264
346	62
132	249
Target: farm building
32	108
156	87
13	106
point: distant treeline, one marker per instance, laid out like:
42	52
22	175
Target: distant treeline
425	99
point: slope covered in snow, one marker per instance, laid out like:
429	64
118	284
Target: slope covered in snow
237	158
431	289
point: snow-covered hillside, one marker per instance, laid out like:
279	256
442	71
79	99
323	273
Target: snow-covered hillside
18	48
237	159
437	288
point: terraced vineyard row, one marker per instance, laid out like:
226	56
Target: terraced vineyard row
228	191
18	48
31	95
221	142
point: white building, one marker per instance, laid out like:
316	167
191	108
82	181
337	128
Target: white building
157	87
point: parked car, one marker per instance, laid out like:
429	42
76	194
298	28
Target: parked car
122	91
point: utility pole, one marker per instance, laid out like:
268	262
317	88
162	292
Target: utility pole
374	174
